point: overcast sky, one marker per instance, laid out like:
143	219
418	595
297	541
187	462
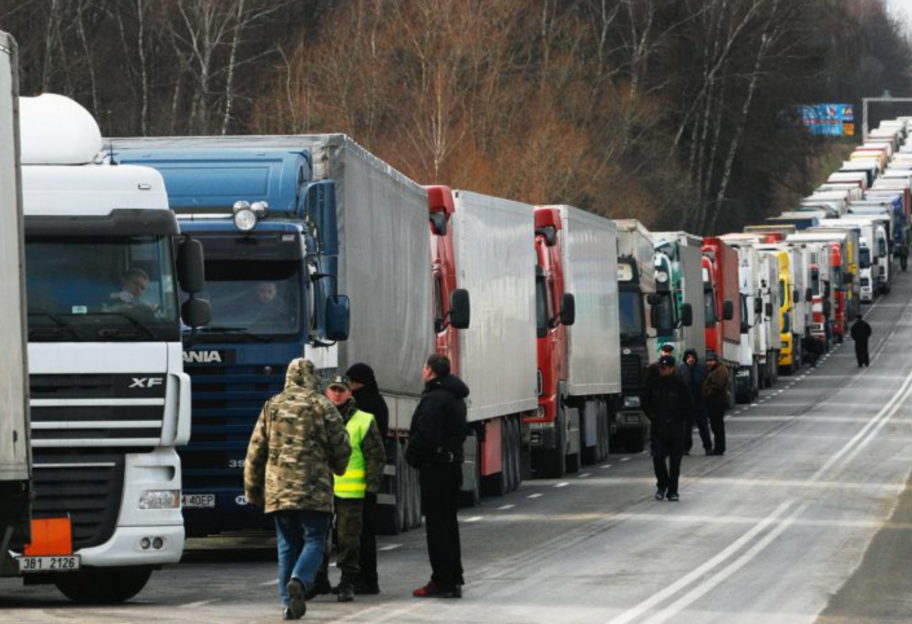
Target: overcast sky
902	8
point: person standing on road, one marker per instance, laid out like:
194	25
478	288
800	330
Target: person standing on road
298	443
361	481
694	374
861	333
667	402
652	371
715	398
435	446
368	398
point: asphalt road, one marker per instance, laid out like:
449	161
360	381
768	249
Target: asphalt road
806	519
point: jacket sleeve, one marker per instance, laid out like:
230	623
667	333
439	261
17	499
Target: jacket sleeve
338	444
255	463
424	437
374	457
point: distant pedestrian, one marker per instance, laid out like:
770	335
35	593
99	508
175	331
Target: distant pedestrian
652	371
298	443
362	478
368	398
693	372
861	333
667	402
715	398
435	448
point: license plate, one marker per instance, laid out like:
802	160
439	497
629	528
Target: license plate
198	501
33	565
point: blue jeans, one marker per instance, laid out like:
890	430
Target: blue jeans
302	542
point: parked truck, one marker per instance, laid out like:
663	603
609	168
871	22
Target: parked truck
751	354
685	251
109	398
637	294
15	455
722	304
579	358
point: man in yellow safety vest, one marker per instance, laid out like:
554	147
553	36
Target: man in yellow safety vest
362	479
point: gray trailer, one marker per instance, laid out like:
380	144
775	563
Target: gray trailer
589	254
689	266
15	453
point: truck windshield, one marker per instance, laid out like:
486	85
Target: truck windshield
783	294
101	289
253	300
815	281
709	303
664	315
864	258
631	313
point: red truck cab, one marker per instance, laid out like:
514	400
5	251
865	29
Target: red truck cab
721	292
443	271
839	287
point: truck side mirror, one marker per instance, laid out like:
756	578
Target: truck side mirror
809	295
568	309
758	305
438	223
460	309
769	310
826	308
338	318
653	299
795	297
687	315
196	312
728	310
191	270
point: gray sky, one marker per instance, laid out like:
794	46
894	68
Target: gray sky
902	8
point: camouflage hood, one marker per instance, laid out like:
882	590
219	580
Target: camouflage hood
302	374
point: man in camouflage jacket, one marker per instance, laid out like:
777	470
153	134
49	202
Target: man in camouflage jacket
298	443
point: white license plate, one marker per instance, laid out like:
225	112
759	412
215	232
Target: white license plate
33	565
198	501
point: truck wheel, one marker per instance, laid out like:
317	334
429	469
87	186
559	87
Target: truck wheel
518	455
552	463
110	587
589	454
635	440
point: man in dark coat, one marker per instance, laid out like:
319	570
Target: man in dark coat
435	448
715	398
667	402
368	398
861	333
694	374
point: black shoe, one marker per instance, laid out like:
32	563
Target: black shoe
297	606
287	614
320	587
719	453
708	451
673	498
660	495
346	592
363	588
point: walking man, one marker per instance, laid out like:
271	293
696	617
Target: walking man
861	333
667	402
366	393
435	449
694	374
715	398
362	478
298	443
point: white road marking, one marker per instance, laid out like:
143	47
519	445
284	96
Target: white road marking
561	484
623	459
506	507
585	475
474	519
203	603
266	584
534	495
389	547
605	467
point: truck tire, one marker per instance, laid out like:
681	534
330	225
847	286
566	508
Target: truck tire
589	454
552	463
518	459
109	587
388	518
471	493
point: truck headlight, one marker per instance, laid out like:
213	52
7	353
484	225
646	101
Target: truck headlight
632	401
160	499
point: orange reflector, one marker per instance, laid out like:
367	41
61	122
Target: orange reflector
51	536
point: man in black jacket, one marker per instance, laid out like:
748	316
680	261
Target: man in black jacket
861	333
367	396
435	449
667	402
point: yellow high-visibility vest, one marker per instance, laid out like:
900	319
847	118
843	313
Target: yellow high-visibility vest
353	484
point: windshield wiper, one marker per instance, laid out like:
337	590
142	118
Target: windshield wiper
61	324
240	331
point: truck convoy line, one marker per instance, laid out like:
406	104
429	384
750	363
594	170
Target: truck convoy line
311	245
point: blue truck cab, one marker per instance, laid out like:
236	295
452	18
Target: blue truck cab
269	233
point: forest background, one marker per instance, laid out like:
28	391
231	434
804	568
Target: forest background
681	113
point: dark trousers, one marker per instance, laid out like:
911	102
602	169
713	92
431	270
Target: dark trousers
368	545
717	423
666	460
440	484
347	538
698	417
861	353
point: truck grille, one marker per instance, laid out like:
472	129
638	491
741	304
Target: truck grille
226	403
97	411
87	487
631	371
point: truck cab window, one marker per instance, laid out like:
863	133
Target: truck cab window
542	307
439	305
631	315
665	314
709	304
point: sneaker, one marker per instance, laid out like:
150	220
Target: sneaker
287	614
346	592
660	495
432	590
674	498
364	588
297	606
